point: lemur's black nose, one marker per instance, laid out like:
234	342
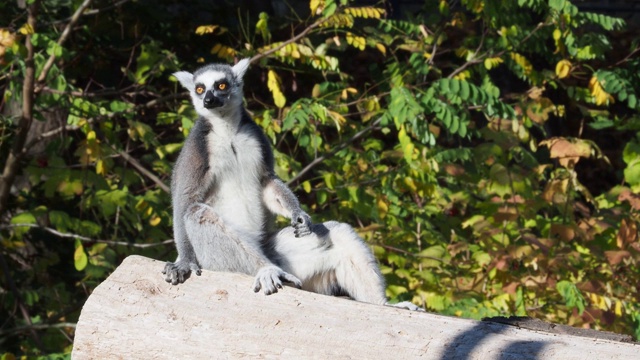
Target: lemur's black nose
211	101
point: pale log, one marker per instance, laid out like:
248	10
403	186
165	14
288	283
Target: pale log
135	314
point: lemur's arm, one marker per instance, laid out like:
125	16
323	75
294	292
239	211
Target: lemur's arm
186	189
281	200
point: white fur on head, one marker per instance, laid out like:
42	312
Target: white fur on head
240	68
185	78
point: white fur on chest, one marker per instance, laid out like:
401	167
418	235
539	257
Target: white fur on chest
235	161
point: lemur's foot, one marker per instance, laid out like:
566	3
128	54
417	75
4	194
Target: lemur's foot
178	272
270	278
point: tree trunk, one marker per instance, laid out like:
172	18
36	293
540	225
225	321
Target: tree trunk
135	314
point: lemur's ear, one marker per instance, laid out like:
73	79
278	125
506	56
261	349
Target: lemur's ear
185	78
240	68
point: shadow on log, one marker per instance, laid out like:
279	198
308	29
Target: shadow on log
135	314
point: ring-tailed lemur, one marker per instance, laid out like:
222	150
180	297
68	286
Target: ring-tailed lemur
225	194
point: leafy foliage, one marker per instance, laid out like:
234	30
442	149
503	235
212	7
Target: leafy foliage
488	151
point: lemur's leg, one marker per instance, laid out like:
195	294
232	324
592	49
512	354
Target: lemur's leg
218	247
332	260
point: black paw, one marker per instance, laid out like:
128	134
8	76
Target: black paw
301	223
178	272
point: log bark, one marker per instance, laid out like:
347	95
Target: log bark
135	314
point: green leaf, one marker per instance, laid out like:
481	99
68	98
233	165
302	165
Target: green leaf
481	258
631	152
330	8
24	218
393	291
572	296
454	85
146	61
60	220
557	5
465	90
632	101
632	173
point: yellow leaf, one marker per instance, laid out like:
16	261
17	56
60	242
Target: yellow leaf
6	38
600	96
155	220
316	6
618	308
490	63
411	185
562	68
206	29
26	29
523	62
337	118
356	41
100	170
338	21
276	127
91	135
382	206
80	259
463	75
223	51
315	92
306	186
381	48
273	83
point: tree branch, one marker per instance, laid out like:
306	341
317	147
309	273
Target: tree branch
110	115
487	54
136	164
19	329
87	239
12	165
343	145
31	87
292	40
65	34
23	309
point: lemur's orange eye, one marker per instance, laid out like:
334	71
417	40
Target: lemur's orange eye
222	86
199	89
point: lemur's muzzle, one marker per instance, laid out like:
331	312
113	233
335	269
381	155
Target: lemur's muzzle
212	101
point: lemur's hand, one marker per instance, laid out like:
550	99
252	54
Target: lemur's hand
301	223
178	272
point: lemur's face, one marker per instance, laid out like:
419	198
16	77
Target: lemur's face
215	88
